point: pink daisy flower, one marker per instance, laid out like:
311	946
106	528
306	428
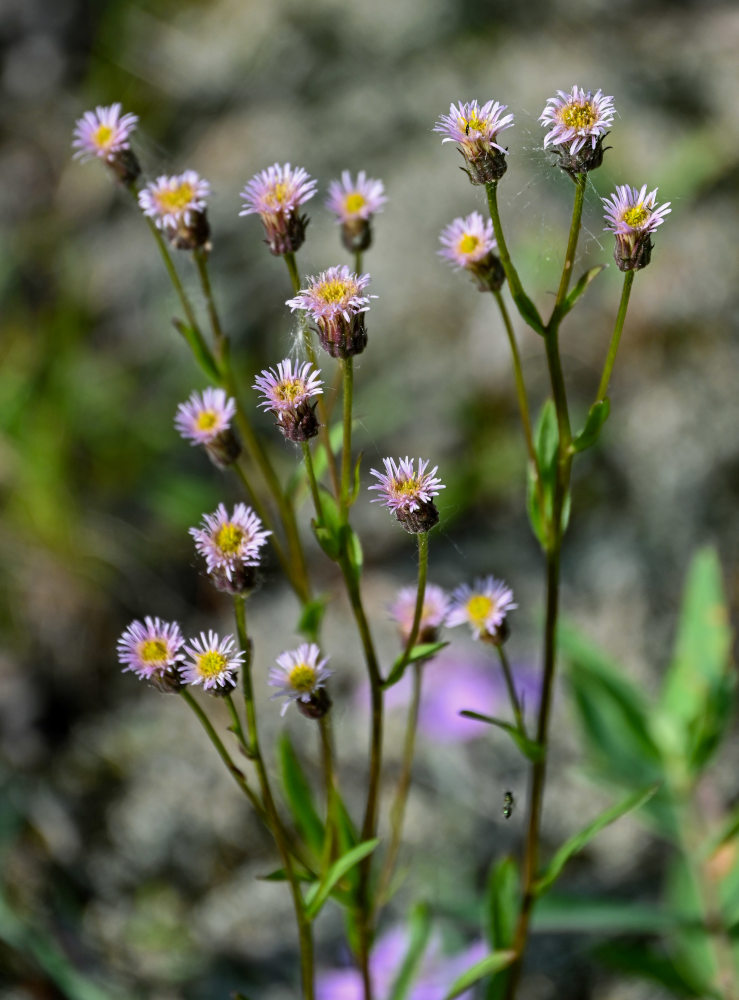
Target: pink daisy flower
299	674
476	129
350	200
335	300
205	415
213	662
433	614
409	493
633	215
577	118
468	241
151	649
275	195
483	606
103	133
230	543
287	393
173	201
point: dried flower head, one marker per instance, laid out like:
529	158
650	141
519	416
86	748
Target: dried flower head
433	614
580	120
468	244
213	662
335	301
633	215
300	675
483	606
151	649
104	134
407	493
274	195
287	392
475	129
230	546
354	204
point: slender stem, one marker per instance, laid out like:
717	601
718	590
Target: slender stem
615	336
511	687
236	726
305	933
223	753
564	281
292	267
423	561
201	262
312	480
523	402
525	306
346	449
397	810
327	755
357	261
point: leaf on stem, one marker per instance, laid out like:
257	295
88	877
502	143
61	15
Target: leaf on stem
319	893
529	748
328	528
419	927
200	352
311	617
280	875
597	416
546	443
299	795
352	547
355	481
584	836
502	904
582	283
492	963
420	652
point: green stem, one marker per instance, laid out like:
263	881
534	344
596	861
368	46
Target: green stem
523	402
569	262
525	306
327	755
423	562
223	753
201	262
357	261
397	810
313	482
511	688
305	933
236	726
615	336
346	450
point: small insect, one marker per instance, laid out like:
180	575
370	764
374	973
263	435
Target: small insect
467	129
509	804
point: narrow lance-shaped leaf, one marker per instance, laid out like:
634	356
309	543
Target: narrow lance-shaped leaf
419	933
584	836
529	748
579	287
423	651
319	893
299	795
597	416
489	965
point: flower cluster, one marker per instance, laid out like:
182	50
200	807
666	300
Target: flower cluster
354	203
468	244
275	195
287	392
230	546
633	215
475	129
177	205
409	493
336	303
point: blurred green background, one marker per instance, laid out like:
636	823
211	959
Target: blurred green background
128	863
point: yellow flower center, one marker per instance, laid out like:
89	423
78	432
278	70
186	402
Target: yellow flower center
211	664
102	136
302	678
579	116
206	421
479	607
277	196
173	200
472	124
636	216
468	243
229	538
153	651
354	202
335	291
288	390
405	487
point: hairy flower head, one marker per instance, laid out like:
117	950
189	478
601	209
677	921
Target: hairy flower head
212	661
230	543
151	649
299	674
577	118
173	201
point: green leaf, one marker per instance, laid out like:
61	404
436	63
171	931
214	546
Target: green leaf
645	962
280	875
353	549
319	893
502	902
597	416
200	351
495	962
419	933
529	748
576	843
311	617
613	715
579	287
355	482
328	528
692	952
697	697
299	795
557	913
546	443
528	311
423	651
